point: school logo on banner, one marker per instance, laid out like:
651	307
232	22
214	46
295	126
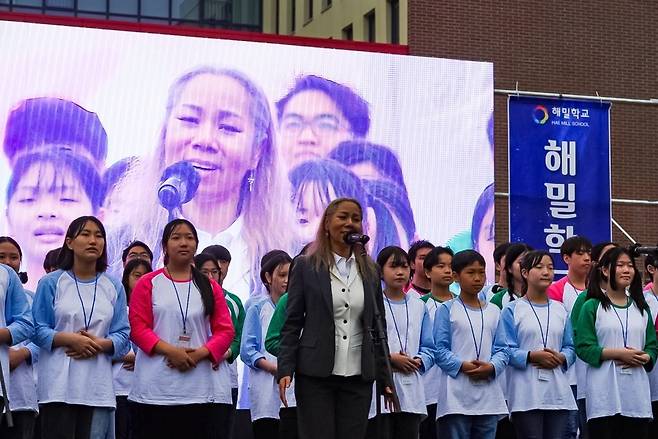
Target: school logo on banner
559	172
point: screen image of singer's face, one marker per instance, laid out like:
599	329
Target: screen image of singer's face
211	127
43	205
311	126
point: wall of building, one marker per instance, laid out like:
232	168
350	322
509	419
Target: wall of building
328	21
569	47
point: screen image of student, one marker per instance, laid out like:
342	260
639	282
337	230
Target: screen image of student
470	401
394	222
314	184
325	343
81	322
122	370
210	267
412	350
536	333
316	115
45	193
263	389
651	296
19	376
436	266
378	166
617	339
219	121
111	210
576	253
483	228
513	257
182	327
45	124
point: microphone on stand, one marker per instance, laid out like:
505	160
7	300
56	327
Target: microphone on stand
378	332
178	185
636	250
356	238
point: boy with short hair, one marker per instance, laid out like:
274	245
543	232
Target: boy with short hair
420	285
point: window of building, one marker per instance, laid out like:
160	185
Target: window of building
92	5
326	4
348	33
308	10
293	15
369	26
394	21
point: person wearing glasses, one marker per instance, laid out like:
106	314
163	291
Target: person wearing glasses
137	250
316	115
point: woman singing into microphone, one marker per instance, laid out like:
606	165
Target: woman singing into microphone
330	307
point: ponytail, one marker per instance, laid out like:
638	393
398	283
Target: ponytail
202	282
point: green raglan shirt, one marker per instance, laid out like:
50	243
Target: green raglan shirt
237	317
273	337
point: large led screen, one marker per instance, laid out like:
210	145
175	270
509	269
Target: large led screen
93	121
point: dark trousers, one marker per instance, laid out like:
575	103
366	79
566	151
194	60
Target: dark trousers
197	421
394	426
505	429
428	426
540	424
288	423
614	427
65	421
122	426
24	422
653	426
582	418
333	407
265	428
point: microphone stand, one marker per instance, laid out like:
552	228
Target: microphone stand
175	213
380	342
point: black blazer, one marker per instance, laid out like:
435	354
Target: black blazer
310	308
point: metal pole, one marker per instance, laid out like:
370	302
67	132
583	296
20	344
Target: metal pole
621	229
650	101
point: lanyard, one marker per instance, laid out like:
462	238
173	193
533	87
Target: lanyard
478	350
544	340
406	335
180	305
624	330
82	303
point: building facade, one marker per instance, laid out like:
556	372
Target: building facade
228	14
375	21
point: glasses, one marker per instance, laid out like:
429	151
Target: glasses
320	125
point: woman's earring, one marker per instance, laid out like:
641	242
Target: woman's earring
251	180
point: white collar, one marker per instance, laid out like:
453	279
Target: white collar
225	237
338	258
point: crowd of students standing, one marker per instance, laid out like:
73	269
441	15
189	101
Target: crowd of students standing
154	354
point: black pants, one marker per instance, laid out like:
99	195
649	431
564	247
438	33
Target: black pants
428	426
265	428
288	423
614	427
24	422
332	407
65	421
394	426
122	425
653	426
505	429
197	421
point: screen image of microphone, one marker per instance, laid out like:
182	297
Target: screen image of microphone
178	185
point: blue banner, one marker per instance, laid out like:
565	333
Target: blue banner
559	172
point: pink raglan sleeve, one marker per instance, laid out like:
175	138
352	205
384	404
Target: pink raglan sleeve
556	291
221	326
141	315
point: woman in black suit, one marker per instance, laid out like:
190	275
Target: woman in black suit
325	342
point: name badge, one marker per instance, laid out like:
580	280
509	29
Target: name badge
184	341
544	374
407	380
625	370
478	382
